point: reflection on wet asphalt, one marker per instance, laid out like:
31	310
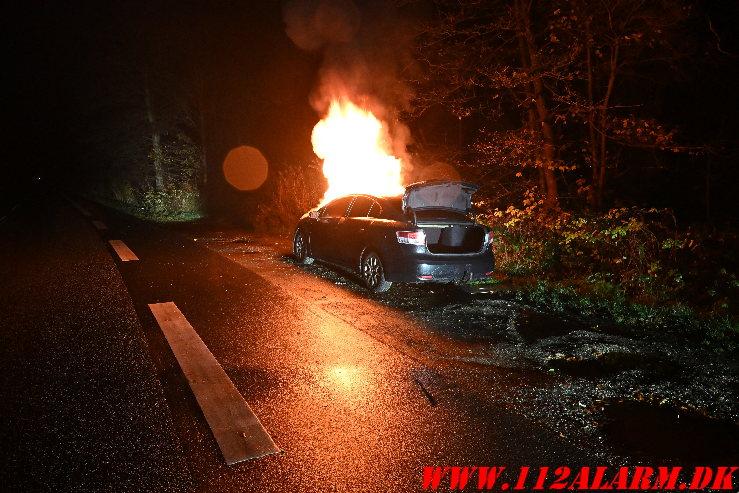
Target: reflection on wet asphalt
359	392
555	370
81	406
349	410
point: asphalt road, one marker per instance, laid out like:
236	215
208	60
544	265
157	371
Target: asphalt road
94	399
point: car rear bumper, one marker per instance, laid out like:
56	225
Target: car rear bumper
446	268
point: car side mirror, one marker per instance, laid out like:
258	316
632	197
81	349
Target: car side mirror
313	214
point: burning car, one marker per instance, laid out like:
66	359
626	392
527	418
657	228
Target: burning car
427	234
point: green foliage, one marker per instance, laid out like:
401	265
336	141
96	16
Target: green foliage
291	192
180	162
719	332
125	193
180	159
633	264
171	203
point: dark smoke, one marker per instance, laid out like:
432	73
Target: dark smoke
312	25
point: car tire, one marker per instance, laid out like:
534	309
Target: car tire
373	273
300	248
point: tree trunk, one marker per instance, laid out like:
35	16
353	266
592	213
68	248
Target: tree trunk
532	132
600	182
200	102
527	45
156	139
595	162
552	197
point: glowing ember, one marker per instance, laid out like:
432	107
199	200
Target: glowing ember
355	148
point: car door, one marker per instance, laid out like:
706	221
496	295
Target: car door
323	237
352	231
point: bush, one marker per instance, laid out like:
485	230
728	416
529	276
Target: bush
172	202
125	193
291	193
625	253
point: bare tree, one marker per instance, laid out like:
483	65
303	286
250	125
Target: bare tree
573	72
487	58
156	137
616	42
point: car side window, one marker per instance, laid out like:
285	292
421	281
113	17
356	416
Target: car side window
361	207
375	210
337	208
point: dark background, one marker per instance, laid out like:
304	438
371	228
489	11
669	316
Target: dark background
69	63
77	69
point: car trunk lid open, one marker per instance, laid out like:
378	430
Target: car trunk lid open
439	194
441	208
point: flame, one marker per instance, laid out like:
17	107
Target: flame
355	148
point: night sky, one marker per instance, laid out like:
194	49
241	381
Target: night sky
69	61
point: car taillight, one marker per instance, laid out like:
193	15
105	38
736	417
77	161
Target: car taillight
411	237
489	238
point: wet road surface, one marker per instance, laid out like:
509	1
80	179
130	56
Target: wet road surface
96	399
628	393
82	407
346	408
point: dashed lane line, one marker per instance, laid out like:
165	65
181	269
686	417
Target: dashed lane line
122	250
235	427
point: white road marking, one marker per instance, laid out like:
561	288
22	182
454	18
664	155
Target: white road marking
99	225
235	427
122	250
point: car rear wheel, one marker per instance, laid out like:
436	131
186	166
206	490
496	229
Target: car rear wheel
300	248
374	274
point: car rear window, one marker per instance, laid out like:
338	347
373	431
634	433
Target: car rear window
392	209
375	210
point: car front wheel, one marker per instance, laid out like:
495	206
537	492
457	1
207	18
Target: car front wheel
374	274
300	248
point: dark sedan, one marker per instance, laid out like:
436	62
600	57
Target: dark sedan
428	234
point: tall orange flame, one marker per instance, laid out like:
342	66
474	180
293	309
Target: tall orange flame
356	150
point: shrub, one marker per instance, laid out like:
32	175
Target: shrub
172	202
291	193
125	193
625	252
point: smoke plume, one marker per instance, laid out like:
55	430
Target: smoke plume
365	46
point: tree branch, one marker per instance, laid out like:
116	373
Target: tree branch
718	40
